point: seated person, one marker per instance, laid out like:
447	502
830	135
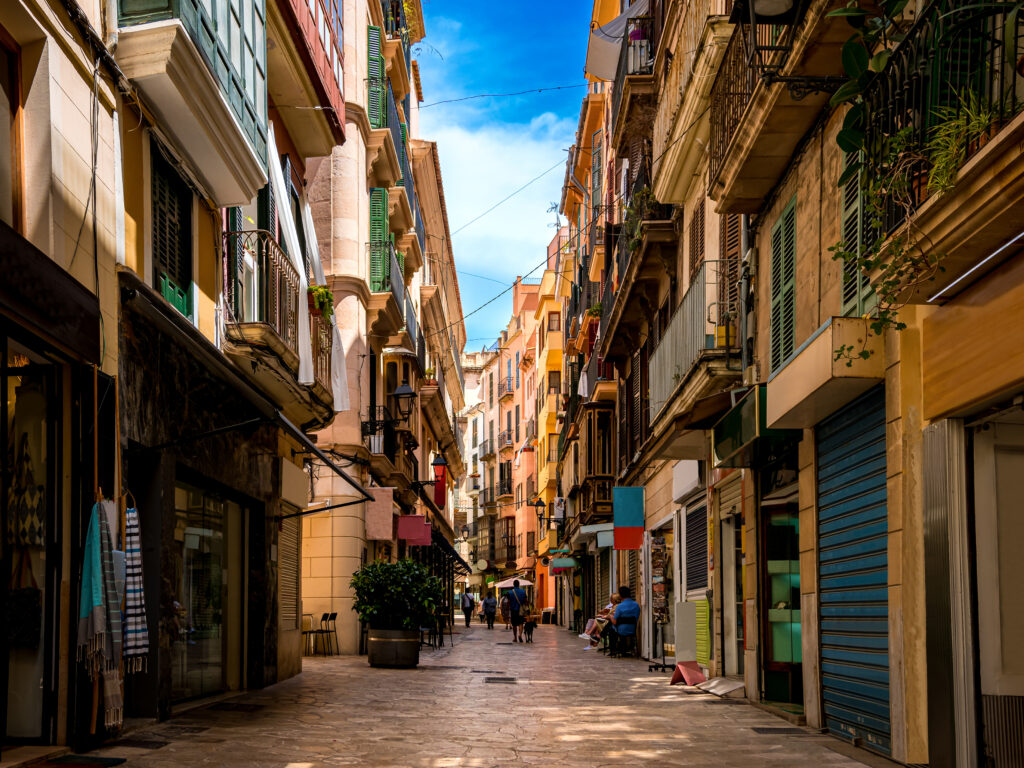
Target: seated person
597	625
626	614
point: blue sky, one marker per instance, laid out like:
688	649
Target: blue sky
489	147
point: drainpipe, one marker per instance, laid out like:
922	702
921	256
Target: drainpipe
746	250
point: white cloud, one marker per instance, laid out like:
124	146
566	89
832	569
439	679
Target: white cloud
481	165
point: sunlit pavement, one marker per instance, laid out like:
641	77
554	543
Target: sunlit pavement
565	707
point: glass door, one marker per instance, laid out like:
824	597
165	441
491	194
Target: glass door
782	649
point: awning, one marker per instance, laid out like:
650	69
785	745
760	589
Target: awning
564	562
606	43
146	301
742	438
445	546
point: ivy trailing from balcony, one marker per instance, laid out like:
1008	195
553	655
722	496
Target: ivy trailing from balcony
322	299
641	205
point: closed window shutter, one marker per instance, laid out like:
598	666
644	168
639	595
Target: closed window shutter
172	232
634	375
857	293
783	279
729	274
236	264
375	92
380	264
595	168
401	151
697	238
288	568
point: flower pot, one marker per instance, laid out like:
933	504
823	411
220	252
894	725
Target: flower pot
312	302
393	648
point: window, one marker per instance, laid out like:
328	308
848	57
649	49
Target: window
474	433
508	421
552	447
490	391
508	370
519	494
858	297
554	382
517	423
697	238
490	434
172	233
783	287
554	321
517	370
10	132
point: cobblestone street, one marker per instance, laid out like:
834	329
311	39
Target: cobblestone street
563	708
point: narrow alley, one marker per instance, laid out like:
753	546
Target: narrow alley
483	703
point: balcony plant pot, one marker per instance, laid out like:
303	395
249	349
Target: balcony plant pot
393	648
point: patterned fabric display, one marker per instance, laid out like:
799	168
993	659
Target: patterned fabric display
26	503
136	633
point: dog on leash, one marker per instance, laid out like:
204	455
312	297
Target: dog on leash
528	626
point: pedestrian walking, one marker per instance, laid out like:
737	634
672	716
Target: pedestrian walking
520	610
505	609
490	607
467	607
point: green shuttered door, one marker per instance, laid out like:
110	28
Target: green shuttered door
853	571
783	277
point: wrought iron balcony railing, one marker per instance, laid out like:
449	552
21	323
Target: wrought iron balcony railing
486	449
261	284
960	61
379	433
505	386
505	439
386	271
504	488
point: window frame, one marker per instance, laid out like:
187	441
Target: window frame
17	107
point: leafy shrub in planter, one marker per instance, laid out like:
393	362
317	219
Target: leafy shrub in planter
400	595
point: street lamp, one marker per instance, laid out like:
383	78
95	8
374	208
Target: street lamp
541	508
440	467
404	395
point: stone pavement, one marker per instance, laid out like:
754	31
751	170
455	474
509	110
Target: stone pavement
565	707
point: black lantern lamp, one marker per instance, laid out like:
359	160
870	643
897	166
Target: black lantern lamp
404	395
768	28
541	507
440	467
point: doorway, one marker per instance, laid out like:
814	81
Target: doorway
208	632
732	594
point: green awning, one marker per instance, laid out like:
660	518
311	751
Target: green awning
564	562
741	438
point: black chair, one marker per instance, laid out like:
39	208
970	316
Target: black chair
332	629
625	644
321	636
577	621
307	634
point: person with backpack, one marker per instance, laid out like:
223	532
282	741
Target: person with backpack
490	606
468	603
520	608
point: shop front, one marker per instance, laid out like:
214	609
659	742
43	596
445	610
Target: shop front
55	459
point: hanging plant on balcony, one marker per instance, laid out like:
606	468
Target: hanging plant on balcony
322	300
639	208
595	310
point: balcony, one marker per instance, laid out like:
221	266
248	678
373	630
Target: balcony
601	379
383	142
505	442
504	489
634	92
396	43
381	440
304	63
506	387
486	450
263	293
975	224
436	409
642	262
697	355
757	119
217	120
595	499
530	431
681	125
387	289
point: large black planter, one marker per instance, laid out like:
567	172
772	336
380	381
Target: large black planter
393	647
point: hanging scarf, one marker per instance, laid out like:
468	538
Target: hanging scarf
99	614
136	632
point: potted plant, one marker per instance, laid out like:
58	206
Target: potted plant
428	376
395	600
321	300
595	310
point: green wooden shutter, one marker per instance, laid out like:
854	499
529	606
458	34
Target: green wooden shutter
401	153
266	210
380	264
858	296
172	233
236	263
783	284
375	90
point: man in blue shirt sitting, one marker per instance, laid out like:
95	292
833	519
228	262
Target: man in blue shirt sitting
626	615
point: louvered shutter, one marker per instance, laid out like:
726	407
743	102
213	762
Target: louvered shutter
401	152
288	570
783	284
380	264
172	233
595	169
729	269
634	375
697	238
375	92
696	549
266	211
857	293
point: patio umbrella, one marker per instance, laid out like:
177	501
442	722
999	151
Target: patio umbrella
508	583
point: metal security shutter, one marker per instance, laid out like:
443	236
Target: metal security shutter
288	568
603	578
853	571
730	499
634	573
696	549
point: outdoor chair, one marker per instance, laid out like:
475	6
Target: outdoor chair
625	645
307	634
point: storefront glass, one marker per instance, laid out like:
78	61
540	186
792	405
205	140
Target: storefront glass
29	421
208	603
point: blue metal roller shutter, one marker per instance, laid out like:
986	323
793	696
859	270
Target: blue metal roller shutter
853	572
